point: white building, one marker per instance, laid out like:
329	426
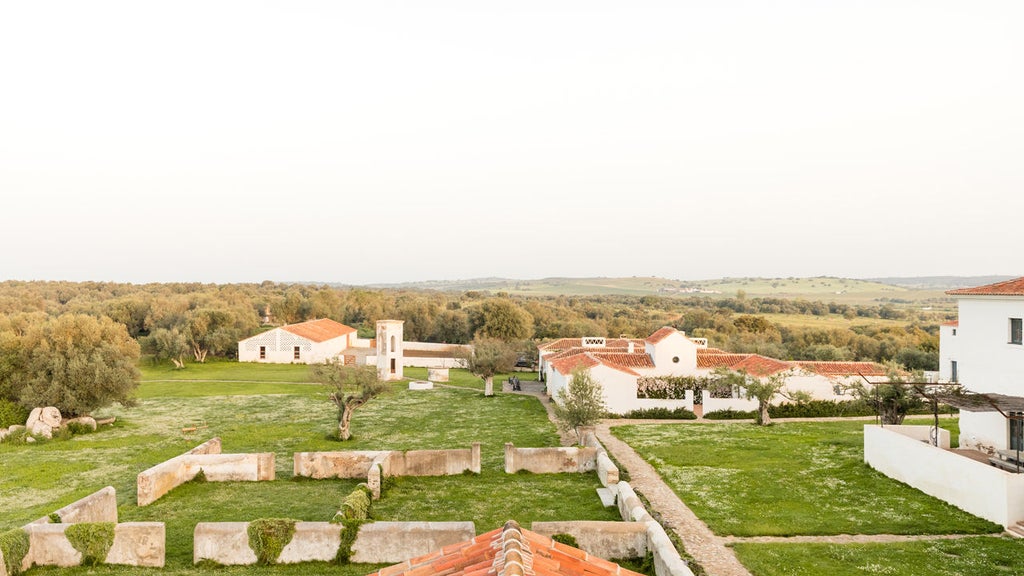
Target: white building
308	342
621	365
984	351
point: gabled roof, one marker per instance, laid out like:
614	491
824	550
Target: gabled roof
1013	287
660	334
844	368
626	359
757	365
719	360
588	360
567	343
507	551
319	330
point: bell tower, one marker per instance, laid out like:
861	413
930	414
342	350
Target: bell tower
389	349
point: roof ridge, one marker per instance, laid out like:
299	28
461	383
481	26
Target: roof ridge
514	558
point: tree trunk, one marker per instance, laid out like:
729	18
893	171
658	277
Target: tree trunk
762	414
178	363
489	386
343	423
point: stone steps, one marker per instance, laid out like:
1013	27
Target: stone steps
1016	530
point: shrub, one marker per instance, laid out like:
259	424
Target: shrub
11	413
92	539
269	536
349	532
730	414
661	414
821	409
567	539
14	545
355	506
77	428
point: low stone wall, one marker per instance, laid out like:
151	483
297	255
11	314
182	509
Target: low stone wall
135	544
549	460
100	506
160	479
374	465
667	561
603	539
227	543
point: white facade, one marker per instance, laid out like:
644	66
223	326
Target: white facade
986	358
278	346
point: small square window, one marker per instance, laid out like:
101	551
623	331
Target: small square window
263	352
1016	331
296	353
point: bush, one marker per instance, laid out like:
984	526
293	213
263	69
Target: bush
355	506
92	539
660	414
77	428
567	539
14	545
11	413
821	409
730	414
269	536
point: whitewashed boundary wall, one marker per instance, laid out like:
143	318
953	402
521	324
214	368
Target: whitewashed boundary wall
227	543
153	483
986	491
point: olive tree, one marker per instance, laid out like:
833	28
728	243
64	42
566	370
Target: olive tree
579	404
490	356
76	363
350	388
764	390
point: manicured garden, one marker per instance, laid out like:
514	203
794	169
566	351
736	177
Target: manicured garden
283	413
792	478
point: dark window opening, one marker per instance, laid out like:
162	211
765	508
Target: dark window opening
263	352
953	375
1016	430
1016	331
296	352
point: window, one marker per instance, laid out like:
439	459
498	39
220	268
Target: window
263	352
1016	331
954	331
675	359
953	375
1016	430
296	353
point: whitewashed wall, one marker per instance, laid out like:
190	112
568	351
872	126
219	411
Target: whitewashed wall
975	487
280	348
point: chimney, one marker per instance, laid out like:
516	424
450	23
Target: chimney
629	347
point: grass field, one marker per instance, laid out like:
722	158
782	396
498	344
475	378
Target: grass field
796	478
275	411
976	556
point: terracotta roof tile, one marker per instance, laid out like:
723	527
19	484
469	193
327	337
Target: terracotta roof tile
626	359
661	334
844	368
720	360
566	343
953	323
319	330
508	551
566	365
757	365
1013	287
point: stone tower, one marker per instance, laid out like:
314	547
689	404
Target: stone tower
389	349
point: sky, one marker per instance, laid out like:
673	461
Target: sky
370	142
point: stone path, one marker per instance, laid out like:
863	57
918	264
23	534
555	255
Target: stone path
707	549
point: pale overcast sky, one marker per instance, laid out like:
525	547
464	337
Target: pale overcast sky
385	141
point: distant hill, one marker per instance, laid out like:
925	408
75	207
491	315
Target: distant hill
825	288
940	282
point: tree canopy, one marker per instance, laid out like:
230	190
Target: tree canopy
349	388
75	362
581	403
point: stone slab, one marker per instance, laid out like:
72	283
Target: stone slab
313	541
139	544
393	542
225	543
602	539
607	497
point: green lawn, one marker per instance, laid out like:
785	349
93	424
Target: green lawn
796	478
466	379
276	412
974	556
221	369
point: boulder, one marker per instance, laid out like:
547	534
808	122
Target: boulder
29	439
13	428
4	434
83	420
42	421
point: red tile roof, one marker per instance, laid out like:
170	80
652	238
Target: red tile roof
581	350
661	334
566	365
719	360
1013	287
953	323
507	551
844	368
319	330
757	365
566	343
625	359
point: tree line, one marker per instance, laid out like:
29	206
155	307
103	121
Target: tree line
176	322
